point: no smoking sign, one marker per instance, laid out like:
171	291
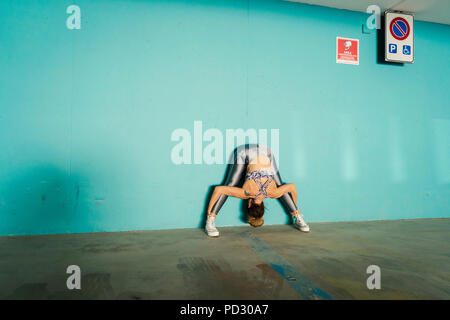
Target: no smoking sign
399	37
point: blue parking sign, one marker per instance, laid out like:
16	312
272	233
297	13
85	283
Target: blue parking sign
406	50
392	48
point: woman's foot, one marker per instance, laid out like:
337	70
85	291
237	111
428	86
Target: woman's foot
210	228
300	224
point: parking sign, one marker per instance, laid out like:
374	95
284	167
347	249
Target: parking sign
399	29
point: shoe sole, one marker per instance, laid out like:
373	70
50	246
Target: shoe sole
215	236
212	235
301	229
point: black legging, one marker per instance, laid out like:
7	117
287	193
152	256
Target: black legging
242	156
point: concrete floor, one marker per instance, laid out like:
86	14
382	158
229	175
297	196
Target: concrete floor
272	262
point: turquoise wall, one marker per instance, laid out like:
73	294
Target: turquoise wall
86	116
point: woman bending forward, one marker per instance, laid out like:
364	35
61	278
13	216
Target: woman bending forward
256	164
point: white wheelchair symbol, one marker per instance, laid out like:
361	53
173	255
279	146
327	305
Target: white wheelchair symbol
406	50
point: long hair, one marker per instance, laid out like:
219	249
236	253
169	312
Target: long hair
255	213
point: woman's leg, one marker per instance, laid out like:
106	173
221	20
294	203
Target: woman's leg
233	180
288	202
236	174
286	199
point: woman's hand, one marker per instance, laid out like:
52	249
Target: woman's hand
281	190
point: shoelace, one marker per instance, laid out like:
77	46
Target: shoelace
210	223
300	214
300	220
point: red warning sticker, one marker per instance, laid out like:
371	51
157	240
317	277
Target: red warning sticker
347	50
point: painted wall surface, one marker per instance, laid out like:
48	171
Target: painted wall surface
86	116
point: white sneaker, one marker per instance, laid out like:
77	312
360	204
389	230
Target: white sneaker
300	223
210	228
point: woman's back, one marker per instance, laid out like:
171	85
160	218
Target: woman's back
261	162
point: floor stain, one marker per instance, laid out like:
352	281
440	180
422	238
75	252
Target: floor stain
218	277
94	286
33	291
